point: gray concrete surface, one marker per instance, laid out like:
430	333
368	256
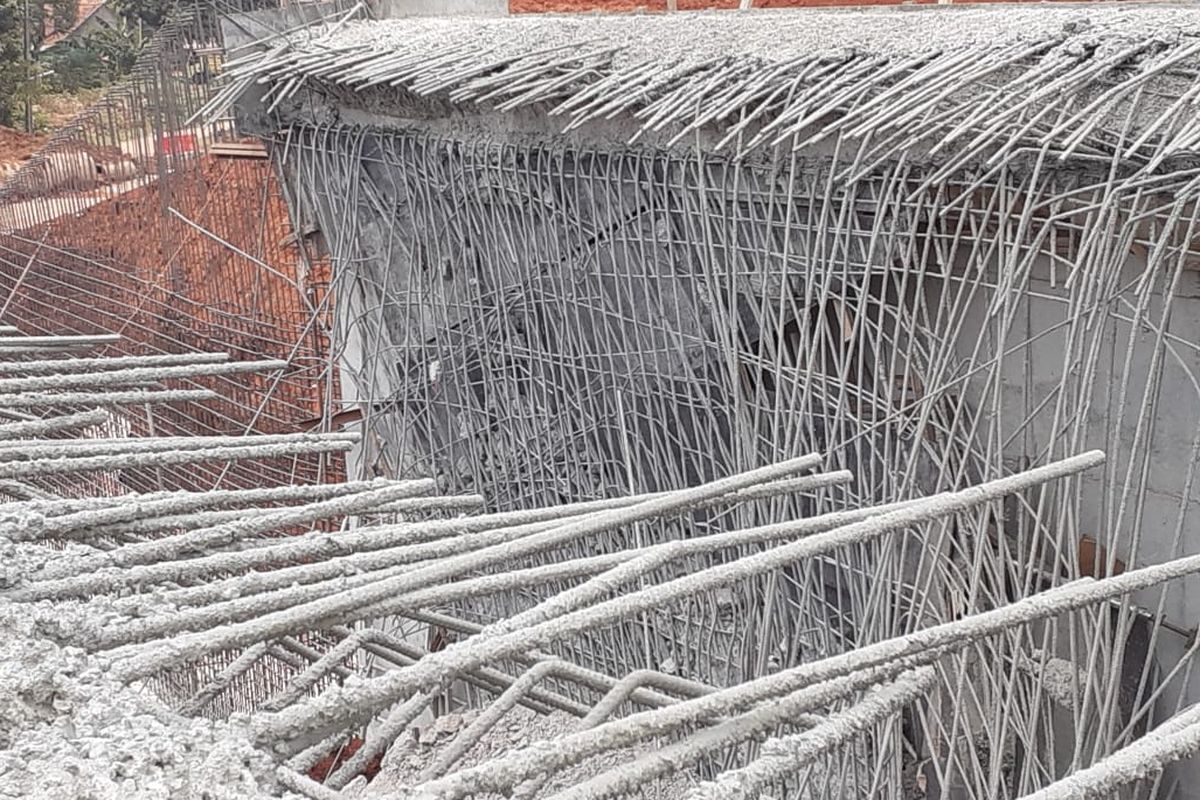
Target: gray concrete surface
387	9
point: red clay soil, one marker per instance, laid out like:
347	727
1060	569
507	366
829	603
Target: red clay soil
559	6
129	266
253	313
236	197
16	146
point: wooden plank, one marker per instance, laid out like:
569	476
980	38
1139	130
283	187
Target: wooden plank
238	150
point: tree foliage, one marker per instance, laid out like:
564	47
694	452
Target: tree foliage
12	70
143	13
20	19
115	49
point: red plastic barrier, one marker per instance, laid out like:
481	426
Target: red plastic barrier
177	144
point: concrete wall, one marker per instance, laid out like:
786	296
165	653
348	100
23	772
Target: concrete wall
1136	515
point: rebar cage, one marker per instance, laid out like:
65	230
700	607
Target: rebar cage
547	320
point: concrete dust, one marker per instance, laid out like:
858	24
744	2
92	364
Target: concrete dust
67	730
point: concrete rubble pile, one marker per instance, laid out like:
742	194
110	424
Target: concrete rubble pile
67	729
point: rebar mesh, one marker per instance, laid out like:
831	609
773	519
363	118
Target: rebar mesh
947	307
876	269
549	324
130	220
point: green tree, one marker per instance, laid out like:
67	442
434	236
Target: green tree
12	68
148	13
116	48
23	24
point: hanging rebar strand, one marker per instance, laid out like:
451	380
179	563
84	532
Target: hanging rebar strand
376	692
313	545
65	422
67	466
9	344
200	541
419	506
23	491
335	573
137	531
132	398
222	498
121	534
121	632
783	756
81	525
46	449
322	545
189	646
76	365
136	375
408	602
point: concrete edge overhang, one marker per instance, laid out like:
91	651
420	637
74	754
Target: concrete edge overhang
981	86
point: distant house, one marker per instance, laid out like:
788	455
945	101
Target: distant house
91	17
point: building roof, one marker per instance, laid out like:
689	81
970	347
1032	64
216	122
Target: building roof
1062	77
84	11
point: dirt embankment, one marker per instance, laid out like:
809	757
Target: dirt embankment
15	148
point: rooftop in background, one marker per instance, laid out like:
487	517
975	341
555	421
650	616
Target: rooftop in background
90	15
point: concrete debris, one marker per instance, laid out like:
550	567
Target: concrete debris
91	636
67	730
914	80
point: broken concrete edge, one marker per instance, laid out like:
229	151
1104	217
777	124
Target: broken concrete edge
68	729
750	82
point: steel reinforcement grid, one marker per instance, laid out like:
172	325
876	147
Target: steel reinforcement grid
132	220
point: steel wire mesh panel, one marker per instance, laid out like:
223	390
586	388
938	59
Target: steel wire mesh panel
128	221
551	323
